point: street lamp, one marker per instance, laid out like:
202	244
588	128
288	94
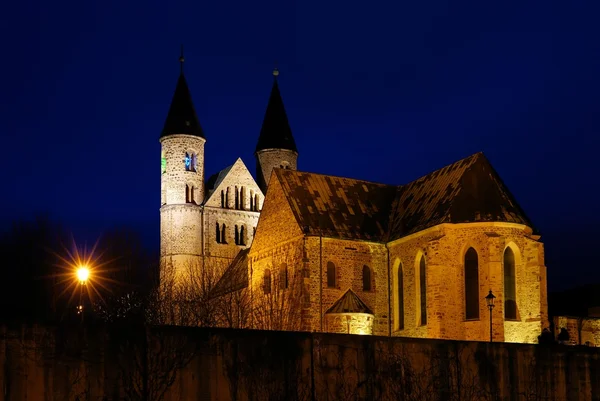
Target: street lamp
83	275
490	303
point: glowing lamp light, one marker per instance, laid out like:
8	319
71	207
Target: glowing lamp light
83	274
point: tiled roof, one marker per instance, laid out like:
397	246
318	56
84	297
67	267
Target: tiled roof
466	191
235	277
349	303
469	190
276	132
182	118
338	207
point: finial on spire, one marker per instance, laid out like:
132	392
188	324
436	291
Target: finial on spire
275	70
181	59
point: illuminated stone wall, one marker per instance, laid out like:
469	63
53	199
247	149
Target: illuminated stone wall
582	330
444	248
92	363
349	323
268	159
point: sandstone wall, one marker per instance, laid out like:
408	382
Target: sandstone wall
123	362
268	159
444	248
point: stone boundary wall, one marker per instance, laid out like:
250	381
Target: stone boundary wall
134	362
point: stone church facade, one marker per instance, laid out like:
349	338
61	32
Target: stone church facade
332	254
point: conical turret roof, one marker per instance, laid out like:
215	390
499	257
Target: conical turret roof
182	118
276	132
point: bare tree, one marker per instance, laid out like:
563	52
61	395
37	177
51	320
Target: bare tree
278	304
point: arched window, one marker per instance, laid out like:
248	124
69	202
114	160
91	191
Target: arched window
187	193
222	199
283	276
267	282
218	234
251	200
510	290
423	290
366	275
331	275
242	197
256	203
236	235
400	298
223	237
227	198
242	235
192	194
237	198
471	285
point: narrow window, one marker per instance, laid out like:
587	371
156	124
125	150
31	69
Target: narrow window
366	275
187	161
251	200
242	197
191	194
471	285
267	282
331	279
236	235
242	235
400	298
227	198
510	291
237	199
223	237
283	276
256	203
218	234
187	193
423	289
194	166
222	199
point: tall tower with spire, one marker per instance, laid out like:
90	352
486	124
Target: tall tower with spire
276	147
182	182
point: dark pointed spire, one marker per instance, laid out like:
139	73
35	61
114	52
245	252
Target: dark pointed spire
182	118
276	132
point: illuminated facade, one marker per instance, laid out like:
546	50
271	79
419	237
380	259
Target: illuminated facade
334	254
415	260
205	223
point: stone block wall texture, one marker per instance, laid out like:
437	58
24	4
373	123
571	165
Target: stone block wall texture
443	248
175	177
268	159
582	330
49	363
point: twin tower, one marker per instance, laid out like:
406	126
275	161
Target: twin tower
205	223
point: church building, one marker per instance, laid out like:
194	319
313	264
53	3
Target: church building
331	254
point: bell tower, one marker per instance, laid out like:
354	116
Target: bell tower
182	184
276	147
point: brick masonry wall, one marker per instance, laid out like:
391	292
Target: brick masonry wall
268	159
589	328
349	323
67	363
444	249
174	179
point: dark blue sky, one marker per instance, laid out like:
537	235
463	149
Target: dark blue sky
382	91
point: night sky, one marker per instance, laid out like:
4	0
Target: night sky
381	91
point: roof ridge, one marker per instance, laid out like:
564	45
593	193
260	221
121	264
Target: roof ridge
336	176
474	155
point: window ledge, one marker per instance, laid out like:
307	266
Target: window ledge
472	320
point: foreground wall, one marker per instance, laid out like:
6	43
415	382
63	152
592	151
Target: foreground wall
131	363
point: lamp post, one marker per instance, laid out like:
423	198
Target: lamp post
490	303
83	274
